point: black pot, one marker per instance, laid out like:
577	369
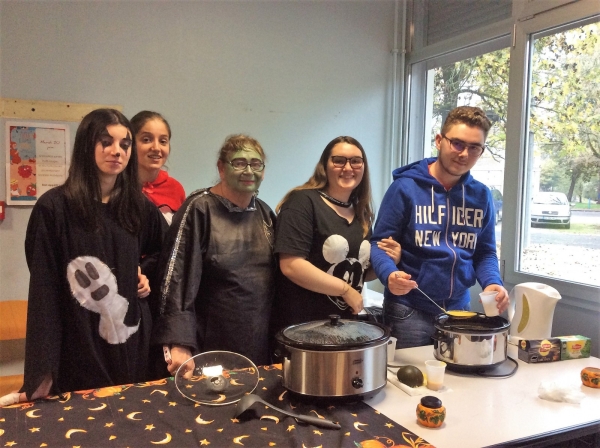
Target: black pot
474	342
334	358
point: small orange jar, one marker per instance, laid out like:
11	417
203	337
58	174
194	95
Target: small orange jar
430	412
590	377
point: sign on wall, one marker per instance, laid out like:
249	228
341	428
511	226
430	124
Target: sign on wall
36	159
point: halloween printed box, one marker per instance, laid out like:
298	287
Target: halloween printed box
574	347
539	350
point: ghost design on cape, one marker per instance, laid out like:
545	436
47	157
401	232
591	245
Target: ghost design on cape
95	287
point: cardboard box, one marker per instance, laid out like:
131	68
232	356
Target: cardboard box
574	347
539	350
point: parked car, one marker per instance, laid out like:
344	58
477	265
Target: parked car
549	207
497	196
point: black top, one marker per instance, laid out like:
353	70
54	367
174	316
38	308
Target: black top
219	271
307	227
85	323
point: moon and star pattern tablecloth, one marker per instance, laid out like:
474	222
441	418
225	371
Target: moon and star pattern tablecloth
155	413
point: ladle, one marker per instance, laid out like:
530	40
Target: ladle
456	313
434	302
248	400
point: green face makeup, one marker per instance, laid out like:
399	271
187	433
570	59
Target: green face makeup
243	181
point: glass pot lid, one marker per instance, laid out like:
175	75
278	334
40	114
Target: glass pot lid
479	323
334	333
218	378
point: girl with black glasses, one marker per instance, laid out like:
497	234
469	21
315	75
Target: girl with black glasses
322	239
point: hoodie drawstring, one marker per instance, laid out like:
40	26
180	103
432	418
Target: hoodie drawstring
432	201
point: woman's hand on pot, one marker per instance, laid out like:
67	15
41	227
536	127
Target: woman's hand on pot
354	299
502	300
179	355
399	283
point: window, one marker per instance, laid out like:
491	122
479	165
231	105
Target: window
480	81
546	137
561	231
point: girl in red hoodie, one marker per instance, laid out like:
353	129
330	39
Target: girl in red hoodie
153	140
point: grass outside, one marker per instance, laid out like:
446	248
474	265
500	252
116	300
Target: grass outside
585	206
583	228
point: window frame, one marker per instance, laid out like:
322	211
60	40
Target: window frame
513	33
516	162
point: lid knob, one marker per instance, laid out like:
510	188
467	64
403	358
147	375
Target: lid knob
334	320
431	402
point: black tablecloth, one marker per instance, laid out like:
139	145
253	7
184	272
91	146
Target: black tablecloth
155	413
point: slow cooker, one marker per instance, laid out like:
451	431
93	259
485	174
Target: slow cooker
470	343
334	358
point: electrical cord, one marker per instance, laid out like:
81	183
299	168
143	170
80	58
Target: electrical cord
486	374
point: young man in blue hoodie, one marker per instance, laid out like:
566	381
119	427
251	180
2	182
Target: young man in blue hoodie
444	222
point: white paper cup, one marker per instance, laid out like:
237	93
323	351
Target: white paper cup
435	374
391	349
488	299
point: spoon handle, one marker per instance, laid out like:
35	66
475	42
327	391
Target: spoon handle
434	302
307	418
317	421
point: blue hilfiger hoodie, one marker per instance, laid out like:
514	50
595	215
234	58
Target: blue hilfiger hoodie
447	237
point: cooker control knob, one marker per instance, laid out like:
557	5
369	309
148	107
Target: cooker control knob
357	383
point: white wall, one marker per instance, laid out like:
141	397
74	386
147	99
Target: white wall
293	74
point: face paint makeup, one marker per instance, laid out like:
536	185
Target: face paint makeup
243	181
112	151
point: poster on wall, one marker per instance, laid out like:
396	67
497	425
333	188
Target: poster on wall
36	159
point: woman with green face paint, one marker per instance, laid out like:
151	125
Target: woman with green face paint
322	239
218	264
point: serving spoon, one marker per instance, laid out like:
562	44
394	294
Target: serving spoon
456	313
434	302
248	400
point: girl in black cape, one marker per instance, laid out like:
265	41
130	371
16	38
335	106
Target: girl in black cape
88	320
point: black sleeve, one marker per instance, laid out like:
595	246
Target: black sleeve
44	321
295	224
153	232
180	267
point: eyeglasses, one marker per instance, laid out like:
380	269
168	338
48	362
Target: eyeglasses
241	164
459	146
341	161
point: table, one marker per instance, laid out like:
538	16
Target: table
155	413
480	412
489	411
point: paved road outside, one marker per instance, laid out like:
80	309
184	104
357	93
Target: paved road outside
561	253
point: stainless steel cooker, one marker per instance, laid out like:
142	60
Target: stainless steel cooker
334	358
474	342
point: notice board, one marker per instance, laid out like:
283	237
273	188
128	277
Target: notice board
37	159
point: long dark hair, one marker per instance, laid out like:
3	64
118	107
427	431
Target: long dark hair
82	186
361	195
